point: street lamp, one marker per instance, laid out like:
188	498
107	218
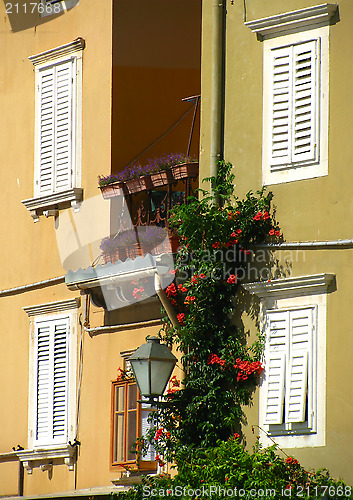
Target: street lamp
152	364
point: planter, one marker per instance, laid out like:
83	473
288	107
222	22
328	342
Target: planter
133	251
167	246
114	256
162	178
112	190
136	185
185	170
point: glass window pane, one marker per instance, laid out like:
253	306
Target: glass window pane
119	438
119	398
145	426
131	434
132	397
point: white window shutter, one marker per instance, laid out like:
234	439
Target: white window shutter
305	102
60	380
296	387
281	105
44	375
63	126
56	127
275	374
301	334
150	453
46	131
52	382
275	365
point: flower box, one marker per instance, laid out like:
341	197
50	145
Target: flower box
184	170
162	178
140	184
112	190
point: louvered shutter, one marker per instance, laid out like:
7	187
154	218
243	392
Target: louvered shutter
43	383
301	326
46	130
275	365
52	382
63	126
150	453
304	101
56	127
60	380
281	72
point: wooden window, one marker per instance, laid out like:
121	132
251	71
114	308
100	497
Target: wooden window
56	127
129	422
52	377
289	368
294	75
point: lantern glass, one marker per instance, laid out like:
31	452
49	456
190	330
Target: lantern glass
152	364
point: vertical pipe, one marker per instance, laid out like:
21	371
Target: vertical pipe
217	85
20	478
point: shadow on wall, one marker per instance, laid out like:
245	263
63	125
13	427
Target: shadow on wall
31	13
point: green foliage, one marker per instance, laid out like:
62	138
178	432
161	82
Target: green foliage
221	370
242	474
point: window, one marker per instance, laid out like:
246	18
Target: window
52	377
293	386
295	93
290	362
294	105
57	169
52	383
129	422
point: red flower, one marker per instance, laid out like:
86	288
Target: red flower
181	317
233	235
271	232
189	298
239	231
289	460
158	434
266	216
289	487
226	478
232	279
278	233
295	462
174	302
167	435
236	435
214	359
171	290
215	245
194	280
202	276
257	216
172	272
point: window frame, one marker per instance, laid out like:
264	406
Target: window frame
144	465
53	311
306	169
49	202
288	294
309	425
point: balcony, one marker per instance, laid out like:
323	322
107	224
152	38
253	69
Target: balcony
141	245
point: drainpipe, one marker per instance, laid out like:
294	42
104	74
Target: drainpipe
217	85
165	301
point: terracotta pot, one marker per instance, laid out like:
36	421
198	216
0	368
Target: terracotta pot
162	178
165	246
112	190
113	257
185	170
133	251
136	185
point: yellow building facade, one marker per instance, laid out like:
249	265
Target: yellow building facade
87	88
282	119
